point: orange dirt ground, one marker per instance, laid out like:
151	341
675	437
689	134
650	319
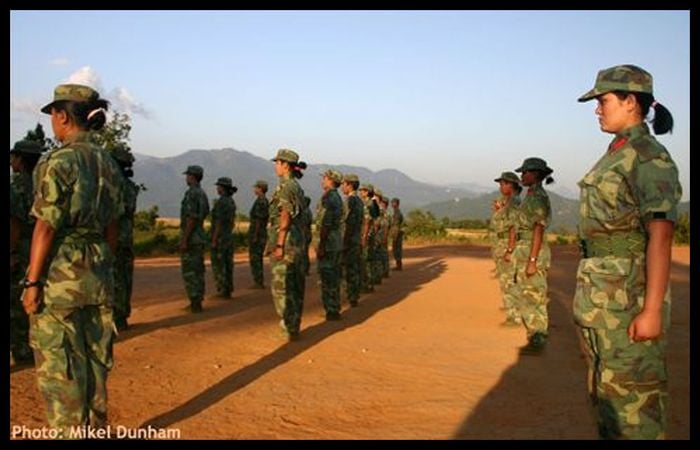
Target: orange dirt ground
422	357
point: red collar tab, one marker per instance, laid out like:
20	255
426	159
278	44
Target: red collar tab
619	143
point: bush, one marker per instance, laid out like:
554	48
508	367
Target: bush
682	230
421	224
146	220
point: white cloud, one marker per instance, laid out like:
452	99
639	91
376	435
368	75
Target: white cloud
123	101
23	106
59	62
87	77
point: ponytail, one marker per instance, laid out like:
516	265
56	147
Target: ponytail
297	169
662	122
86	115
549	180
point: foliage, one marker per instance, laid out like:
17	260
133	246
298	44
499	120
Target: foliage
469	224
146	220
422	224
682	230
38	135
115	134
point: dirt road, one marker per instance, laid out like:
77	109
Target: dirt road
422	357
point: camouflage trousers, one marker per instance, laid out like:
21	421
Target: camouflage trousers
384	261
329	271
366	280
255	253
376	268
287	286
627	383
505	272
19	322
397	248
530	292
306	263
73	353
222	266
352	262
192	267
123	282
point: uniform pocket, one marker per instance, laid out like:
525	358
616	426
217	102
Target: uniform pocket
604	282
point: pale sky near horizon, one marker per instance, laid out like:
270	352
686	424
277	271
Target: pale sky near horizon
444	96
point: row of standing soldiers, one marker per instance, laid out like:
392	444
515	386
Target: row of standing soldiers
352	239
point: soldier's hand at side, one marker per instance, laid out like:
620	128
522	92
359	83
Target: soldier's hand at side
506	257
531	268
645	326
278	253
31	299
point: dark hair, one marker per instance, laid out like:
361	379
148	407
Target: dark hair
398	201
663	120
127	171
374	210
296	168
517	187
29	161
79	112
336	185
544	176
197	177
354	184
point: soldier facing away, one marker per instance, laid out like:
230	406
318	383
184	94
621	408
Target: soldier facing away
193	209
397	232
352	249
328	219
257	233
24	156
622	305
69	287
223	216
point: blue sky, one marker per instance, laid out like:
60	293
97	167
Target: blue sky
444	96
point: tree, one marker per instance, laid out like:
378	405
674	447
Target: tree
38	135
115	134
424	224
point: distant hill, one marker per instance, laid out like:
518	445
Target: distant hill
165	182
564	210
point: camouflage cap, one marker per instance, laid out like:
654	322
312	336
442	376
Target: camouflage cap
27	147
334	175
351	178
626	78
262	184
72	93
535	164
396	199
285	154
122	155
378	193
194	170
367	187
508	176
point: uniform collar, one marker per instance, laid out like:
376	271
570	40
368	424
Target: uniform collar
534	188
628	134
80	136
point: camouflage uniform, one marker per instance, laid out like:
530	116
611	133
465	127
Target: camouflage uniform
306	220
223	213
367	281
288	277
124	267
195	205
397	232
328	219
502	220
352	250
257	235
78	195
20	205
375	250
530	292
635	182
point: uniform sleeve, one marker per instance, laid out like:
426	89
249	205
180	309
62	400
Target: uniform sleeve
333	211
215	210
264	212
52	181
539	211
196	205
657	189
289	202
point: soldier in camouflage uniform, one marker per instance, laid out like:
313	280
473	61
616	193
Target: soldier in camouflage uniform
307	219
502	219
384	224
193	210
397	232
257	233
367	238
375	243
286	242
69	287
352	249
124	266
328	218
23	158
527	243
623	301
223	216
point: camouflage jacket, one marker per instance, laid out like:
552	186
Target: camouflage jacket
78	193
634	182
195	205
504	218
288	196
224	213
533	210
126	220
397	222
354	210
259	213
328	219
